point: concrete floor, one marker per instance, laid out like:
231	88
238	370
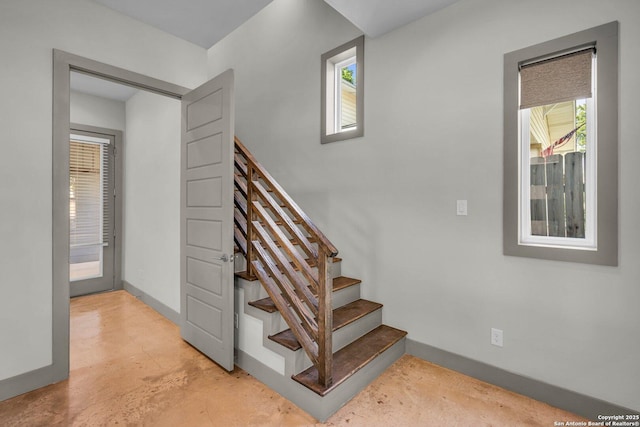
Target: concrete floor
129	367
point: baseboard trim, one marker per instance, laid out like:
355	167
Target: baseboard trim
167	312
579	404
29	381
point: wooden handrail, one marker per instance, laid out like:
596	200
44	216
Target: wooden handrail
291	205
269	226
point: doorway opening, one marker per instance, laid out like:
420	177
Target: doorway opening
66	248
94	209
204	204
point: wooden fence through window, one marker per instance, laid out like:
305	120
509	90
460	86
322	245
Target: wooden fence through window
557	195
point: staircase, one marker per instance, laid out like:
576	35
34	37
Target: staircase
332	342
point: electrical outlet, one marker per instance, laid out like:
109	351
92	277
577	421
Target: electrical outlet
236	320
496	337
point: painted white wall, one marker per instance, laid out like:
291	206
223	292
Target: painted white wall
433	134
151	244
94	110
29	30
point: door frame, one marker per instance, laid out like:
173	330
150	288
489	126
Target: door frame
117	137
63	64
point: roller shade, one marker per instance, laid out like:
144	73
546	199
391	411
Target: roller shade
559	79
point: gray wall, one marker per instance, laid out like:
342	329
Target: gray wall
97	111
151	245
387	200
29	30
433	134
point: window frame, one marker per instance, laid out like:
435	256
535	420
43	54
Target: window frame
330	101
605	239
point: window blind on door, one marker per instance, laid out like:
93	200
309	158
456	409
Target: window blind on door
559	79
89	180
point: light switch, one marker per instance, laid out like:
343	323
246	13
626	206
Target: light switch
461	207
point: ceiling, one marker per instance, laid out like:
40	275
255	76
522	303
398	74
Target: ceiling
202	22
378	17
205	22
100	87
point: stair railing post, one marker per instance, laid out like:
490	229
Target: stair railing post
250	231
325	320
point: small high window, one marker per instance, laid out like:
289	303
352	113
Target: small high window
342	92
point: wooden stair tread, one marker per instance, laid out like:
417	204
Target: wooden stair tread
245	276
266	304
352	358
342	282
342	316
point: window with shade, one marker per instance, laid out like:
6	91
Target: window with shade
560	148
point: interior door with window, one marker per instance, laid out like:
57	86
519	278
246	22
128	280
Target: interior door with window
91	211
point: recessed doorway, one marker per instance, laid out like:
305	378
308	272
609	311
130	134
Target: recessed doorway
94	209
205	141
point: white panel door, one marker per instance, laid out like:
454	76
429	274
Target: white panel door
206	255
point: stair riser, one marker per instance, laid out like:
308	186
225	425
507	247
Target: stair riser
336	269
253	290
351	332
345	296
272	322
